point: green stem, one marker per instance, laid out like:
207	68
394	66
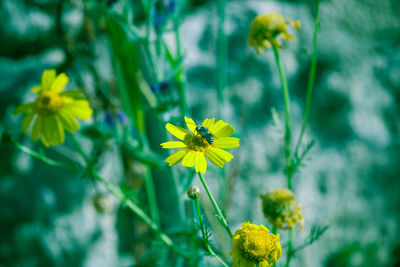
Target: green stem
132	206
311	79
274	230
220	215
204	235
286	99
44	158
290	248
221	53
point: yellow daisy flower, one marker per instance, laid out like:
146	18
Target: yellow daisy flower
53	110
253	246
282	209
195	147
266	29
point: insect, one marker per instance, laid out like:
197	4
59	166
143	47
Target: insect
204	133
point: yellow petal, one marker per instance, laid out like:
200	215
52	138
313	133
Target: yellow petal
37	126
45	133
188	160
217	161
36	89
48	77
177	156
59	82
173	144
224	131
60	131
79	109
54	130
177	131
68	122
222	154
27	107
27	122
208	122
227	142
200	163
217	126
190	124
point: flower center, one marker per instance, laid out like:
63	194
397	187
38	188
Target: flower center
255	245
48	102
195	142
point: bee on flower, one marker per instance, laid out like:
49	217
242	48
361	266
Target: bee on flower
254	245
267	30
282	209
53	111
206	140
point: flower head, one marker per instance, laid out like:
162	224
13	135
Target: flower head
205	140
265	30
253	246
282	209
53	111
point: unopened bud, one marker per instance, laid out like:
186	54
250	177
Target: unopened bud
193	192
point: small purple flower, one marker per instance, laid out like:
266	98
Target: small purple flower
123	119
108	118
160	87
162	11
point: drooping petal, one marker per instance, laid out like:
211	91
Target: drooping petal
48	77
214	158
45	134
188	160
173	144
227	142
68	122
225	131
60	130
37	126
27	122
208	123
59	82
55	130
27	107
190	124
200	163
177	131
177	156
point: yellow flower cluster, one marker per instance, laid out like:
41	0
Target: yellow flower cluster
282	209
254	245
53	111
195	148
265	30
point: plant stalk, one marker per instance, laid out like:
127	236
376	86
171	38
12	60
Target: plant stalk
219	213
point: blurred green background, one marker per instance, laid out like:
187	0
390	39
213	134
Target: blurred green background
351	181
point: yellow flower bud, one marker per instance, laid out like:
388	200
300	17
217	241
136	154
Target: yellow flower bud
266	30
282	209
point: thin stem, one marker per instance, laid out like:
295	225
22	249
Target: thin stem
311	79
220	215
132	206
204	235
44	158
274	230
286	99
141	214
290	248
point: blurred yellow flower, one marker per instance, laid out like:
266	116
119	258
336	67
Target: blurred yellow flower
195	147
266	29
282	209
53	111
253	246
